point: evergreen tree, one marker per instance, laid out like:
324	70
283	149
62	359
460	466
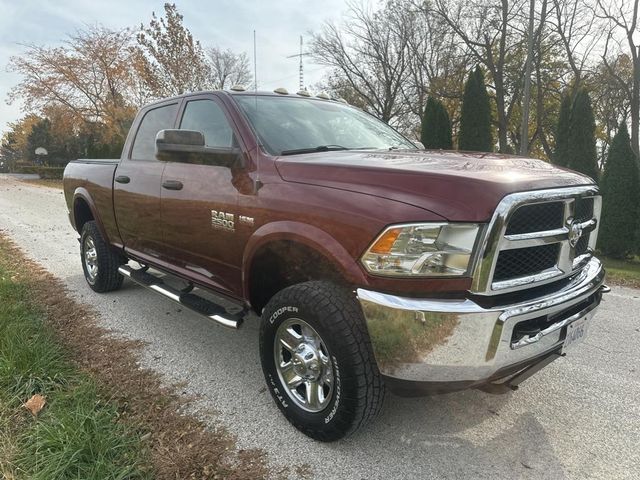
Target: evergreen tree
562	132
436	126
620	198
581	149
475	120
40	137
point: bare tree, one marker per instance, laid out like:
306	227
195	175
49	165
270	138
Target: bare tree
228	68
578	32
622	17
369	55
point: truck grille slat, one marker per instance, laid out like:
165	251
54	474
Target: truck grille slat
522	262
536	218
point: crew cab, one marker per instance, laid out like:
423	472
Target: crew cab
370	263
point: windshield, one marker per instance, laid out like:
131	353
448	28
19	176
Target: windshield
290	125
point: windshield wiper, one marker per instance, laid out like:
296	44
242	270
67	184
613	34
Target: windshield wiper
320	148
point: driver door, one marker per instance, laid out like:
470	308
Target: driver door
198	203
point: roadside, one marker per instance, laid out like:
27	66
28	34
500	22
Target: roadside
623	272
45	182
104	417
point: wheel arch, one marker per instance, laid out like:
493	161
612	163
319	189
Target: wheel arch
84	210
294	252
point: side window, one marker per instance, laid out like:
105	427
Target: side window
207	117
161	118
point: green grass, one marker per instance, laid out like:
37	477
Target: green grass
625	272
78	433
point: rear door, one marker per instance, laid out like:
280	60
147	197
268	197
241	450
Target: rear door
199	203
136	188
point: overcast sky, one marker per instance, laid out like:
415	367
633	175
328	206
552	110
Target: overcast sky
223	23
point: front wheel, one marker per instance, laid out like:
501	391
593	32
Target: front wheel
318	362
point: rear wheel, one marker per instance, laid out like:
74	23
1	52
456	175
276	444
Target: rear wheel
99	263
318	362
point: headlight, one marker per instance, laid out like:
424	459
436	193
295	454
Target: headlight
422	250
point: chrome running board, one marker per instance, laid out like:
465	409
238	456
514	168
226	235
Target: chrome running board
193	302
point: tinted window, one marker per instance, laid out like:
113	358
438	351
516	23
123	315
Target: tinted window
207	117
161	118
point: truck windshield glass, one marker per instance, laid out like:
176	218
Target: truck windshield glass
292	125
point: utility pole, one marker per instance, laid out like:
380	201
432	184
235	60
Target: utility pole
524	131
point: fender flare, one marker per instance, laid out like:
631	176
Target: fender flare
81	193
307	235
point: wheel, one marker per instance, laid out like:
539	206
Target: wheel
99	263
317	360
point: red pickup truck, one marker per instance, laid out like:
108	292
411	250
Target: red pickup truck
371	263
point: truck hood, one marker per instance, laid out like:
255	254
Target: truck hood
459	186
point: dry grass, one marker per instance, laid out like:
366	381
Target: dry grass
180	446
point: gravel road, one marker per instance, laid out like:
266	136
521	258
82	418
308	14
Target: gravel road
578	418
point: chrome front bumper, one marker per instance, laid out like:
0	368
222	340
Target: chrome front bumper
456	344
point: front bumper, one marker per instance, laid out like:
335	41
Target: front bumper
431	345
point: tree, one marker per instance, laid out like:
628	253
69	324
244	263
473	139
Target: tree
90	75
169	61
622	17
475	119
491	32
581	153
561	152
228	68
436	126
620	198
369	55
40	137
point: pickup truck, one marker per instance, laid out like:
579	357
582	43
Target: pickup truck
370	263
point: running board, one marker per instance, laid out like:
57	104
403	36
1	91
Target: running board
189	300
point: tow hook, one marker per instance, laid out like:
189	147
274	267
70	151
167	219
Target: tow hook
605	289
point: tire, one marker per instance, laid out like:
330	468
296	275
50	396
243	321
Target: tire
99	263
349	389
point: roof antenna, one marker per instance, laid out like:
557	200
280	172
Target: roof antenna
258	183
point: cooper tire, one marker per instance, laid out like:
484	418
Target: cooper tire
99	263
335	316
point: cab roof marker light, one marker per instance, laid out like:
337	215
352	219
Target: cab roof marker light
324	96
239	88
303	93
281	91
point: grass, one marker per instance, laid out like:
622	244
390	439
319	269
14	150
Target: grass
623	272
78	433
105	417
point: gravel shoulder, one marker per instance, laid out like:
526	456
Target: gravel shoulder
578	418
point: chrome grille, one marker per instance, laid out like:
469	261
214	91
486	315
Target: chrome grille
538	237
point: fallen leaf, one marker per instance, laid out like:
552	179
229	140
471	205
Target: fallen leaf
35	404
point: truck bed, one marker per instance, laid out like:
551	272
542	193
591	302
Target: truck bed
91	181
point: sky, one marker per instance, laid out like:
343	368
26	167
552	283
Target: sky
221	23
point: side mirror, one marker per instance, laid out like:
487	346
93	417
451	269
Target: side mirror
188	146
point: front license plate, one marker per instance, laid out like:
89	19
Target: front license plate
576	332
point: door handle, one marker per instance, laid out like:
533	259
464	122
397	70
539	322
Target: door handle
172	185
122	179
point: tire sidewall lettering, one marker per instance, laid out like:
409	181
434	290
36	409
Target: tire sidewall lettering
280	311
338	392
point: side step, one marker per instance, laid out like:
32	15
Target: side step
189	300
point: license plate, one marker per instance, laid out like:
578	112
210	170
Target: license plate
576	331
